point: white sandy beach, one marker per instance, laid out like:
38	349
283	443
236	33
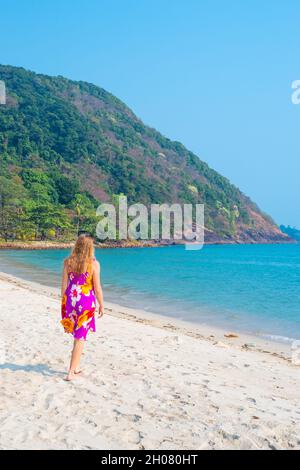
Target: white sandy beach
149	382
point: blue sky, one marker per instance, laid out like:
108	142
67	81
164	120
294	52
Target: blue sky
215	75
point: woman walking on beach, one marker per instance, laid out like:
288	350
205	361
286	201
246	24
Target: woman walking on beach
80	289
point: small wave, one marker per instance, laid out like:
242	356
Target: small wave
278	338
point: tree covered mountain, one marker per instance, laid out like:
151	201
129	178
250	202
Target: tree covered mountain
66	145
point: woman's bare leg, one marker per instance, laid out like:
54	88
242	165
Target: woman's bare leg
75	359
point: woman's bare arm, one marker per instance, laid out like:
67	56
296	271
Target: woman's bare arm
64	281
98	288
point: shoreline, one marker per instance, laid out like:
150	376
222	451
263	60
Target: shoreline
216	335
49	245
193	388
254	334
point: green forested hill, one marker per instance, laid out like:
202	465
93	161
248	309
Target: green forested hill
65	146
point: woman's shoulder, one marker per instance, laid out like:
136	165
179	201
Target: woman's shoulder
95	264
66	262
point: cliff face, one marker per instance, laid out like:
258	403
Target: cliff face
76	139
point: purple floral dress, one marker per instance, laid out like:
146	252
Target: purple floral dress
78	306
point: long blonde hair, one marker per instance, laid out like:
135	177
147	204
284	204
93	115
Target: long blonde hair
82	255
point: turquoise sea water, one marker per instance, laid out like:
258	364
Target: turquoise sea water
249	288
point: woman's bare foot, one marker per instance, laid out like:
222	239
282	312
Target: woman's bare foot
78	371
70	376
